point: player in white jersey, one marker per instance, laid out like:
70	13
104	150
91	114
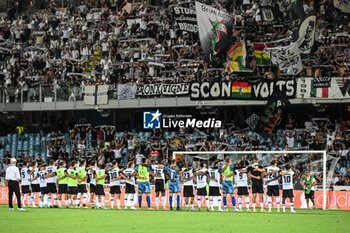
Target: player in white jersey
91	174
51	183
242	185
115	175
214	185
130	174
159	183
273	191
188	186
34	183
202	185
25	184
287	186
41	176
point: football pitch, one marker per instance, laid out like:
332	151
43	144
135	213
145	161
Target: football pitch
90	220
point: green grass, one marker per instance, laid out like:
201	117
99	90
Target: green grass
89	220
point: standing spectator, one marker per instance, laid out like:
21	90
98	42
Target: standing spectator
20	132
139	156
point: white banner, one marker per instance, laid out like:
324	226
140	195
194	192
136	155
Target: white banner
126	91
287	58
337	89
343	5
89	95
162	89
102	94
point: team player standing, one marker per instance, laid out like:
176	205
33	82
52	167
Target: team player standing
213	183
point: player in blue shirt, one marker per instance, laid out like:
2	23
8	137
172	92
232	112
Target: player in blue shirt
227	173
173	172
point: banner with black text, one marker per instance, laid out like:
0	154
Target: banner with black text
154	89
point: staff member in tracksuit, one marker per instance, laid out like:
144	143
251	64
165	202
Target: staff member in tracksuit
12	175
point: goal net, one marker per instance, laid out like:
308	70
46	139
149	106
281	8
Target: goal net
318	163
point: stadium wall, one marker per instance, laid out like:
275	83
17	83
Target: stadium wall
335	199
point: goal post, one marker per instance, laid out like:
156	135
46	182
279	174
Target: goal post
322	152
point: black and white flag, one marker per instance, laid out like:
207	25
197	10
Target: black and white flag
287	58
215	32
185	18
267	15
252	121
292	11
305	34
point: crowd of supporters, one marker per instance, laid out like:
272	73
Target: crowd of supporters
97	44
105	144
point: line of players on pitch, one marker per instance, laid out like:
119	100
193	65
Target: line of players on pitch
72	184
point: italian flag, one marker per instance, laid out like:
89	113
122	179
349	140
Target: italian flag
318	92
241	90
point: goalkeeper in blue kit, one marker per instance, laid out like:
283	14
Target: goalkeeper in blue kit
173	172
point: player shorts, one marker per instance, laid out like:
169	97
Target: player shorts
273	191
82	188
202	191
174	187
72	190
188	191
44	190
129	188
62	188
36	188
100	190
288	193
92	188
242	191
310	195
257	188
227	187
115	190
159	185
144	187
214	191
52	187
25	189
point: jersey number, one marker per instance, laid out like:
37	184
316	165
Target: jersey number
114	175
272	176
286	179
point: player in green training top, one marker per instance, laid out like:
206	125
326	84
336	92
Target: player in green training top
82	183
143	172
62	180
310	183
100	177
73	183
